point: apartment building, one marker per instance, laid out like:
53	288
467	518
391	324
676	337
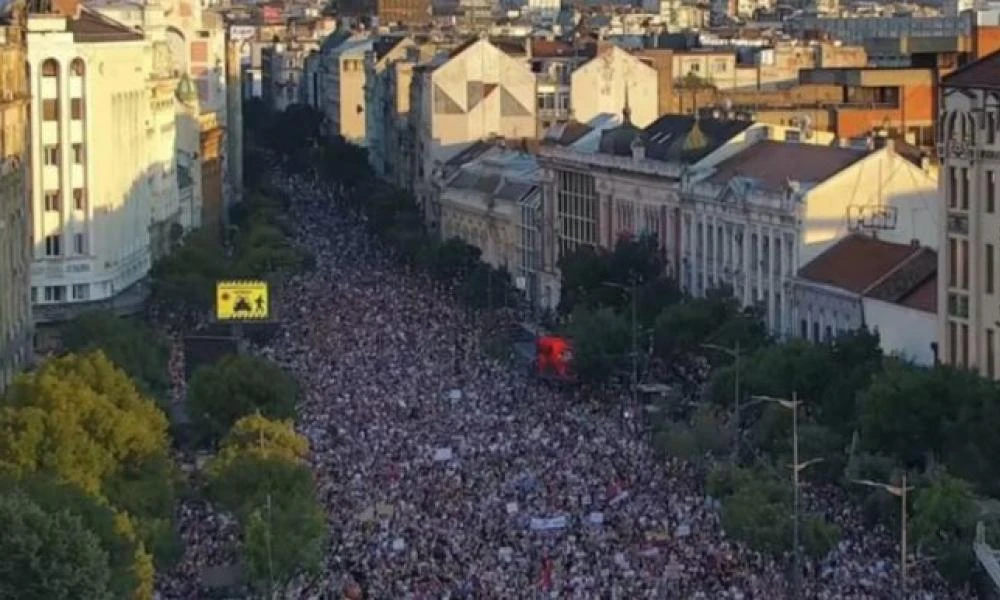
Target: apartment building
609	81
15	219
969	147
101	156
344	86
473	92
732	202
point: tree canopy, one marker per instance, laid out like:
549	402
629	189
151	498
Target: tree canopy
49	555
129	343
236	386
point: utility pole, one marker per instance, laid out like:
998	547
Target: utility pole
797	467
635	349
900	491
736	354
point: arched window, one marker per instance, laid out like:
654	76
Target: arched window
77	68
50	68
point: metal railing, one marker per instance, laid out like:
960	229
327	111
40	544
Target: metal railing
986	555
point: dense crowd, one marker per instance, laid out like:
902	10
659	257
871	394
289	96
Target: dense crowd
447	474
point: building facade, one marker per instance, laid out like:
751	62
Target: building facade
15	217
733	204
604	84
344	88
969	145
96	172
475	92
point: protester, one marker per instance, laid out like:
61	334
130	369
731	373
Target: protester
478	482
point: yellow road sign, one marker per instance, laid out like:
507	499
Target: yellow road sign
241	301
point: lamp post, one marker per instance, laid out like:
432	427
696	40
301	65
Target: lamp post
899	491
635	340
797	467
735	353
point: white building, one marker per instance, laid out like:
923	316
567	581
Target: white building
730	204
543	9
611	79
344	86
101	175
969	144
862	281
475	92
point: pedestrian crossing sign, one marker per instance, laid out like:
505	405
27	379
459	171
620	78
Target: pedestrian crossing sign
241	301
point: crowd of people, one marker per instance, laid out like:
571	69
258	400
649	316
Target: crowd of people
449	474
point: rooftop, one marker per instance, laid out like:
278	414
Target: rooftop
90	26
983	73
675	138
858	263
771	164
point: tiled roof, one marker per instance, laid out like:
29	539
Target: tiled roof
923	297
667	138
983	73
770	164
551	49
566	133
91	27
856	263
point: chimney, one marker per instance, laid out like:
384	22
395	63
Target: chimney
67	8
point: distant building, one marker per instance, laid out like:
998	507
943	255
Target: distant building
611	79
344	85
476	91
388	12
862	281
15	217
969	146
732	203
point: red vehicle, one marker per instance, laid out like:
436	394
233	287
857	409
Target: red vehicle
553	357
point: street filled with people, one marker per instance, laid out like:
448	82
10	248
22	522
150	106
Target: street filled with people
447	473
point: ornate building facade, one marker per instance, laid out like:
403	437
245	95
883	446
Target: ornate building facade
15	219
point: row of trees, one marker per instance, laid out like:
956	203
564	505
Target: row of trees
88	487
259	244
392	214
865	415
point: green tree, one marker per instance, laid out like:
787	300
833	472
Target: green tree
284	540
758	513
49	556
486	287
258	436
601	342
131	344
245	482
80	419
185	279
943	524
708	434
53	497
237	386
454	260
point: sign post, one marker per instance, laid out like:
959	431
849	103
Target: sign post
239	302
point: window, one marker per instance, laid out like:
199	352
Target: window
76	109
34	294
81	291
52	203
965	264
965	346
79	199
51	156
952	188
952	262
79	243
816	331
55	293
50	109
804	329
828	334
77	154
990	366
965	189
53	245
76	67
989	268
50	68
952	342
991	191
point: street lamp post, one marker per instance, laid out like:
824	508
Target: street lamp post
735	353
797	467
899	491
635	341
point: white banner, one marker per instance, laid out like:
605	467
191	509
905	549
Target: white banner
548	524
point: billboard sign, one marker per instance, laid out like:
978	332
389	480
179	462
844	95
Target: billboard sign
239	33
241	301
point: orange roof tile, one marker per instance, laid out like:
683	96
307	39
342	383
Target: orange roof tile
856	262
